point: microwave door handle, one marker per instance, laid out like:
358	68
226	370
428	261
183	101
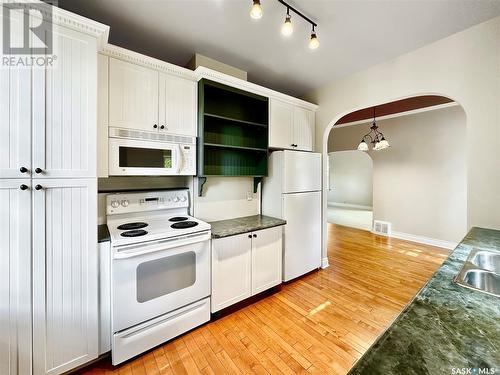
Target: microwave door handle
180	159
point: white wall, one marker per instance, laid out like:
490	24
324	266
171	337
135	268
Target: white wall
226	198
464	67
420	182
351	178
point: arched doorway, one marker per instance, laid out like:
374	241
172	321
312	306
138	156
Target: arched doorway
422	179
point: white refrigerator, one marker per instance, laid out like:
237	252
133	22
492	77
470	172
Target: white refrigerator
293	192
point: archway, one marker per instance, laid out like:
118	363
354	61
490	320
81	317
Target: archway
410	106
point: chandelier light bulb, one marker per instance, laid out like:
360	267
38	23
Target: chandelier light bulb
383	144
313	42
362	146
287	28
256	10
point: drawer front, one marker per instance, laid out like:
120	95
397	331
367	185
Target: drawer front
138	339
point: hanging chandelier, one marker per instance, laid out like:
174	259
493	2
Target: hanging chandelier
375	137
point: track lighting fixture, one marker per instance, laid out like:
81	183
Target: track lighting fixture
287	27
256	10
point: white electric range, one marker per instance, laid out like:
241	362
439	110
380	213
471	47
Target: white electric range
160	269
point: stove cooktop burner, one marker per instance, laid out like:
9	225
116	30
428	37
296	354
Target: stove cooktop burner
129	226
184	224
134	233
178	218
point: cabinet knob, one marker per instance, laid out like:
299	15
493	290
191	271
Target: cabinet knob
23	187
249	236
38	187
254	236
155	126
162	127
38	170
23	169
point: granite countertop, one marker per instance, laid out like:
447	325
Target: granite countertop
231	227
103	233
446	326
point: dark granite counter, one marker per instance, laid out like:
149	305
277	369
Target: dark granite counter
231	227
445	327
103	233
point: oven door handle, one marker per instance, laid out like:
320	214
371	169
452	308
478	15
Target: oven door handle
159	246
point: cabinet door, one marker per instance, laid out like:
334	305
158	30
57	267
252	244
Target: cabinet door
102	115
280	124
266	259
133	96
64	108
231	270
65	263
15	279
178	105
303	129
15	115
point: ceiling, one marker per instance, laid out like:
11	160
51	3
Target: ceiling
354	34
398	106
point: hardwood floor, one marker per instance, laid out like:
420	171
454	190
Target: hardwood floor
321	323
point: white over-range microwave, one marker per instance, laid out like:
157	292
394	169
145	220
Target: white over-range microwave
142	153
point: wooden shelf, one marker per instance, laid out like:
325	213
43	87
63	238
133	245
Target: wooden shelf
234	120
236	147
232	134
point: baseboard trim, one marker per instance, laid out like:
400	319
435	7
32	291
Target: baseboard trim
324	263
424	240
348	205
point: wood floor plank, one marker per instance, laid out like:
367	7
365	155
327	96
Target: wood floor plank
318	324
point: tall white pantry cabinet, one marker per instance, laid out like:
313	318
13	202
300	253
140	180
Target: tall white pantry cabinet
48	208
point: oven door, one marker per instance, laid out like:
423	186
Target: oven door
132	157
153	279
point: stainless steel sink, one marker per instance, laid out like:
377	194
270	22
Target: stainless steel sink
481	271
487	260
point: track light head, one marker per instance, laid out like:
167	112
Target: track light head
287	27
256	10
313	41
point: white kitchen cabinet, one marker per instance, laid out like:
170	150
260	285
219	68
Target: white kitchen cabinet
146	99
64	109
102	114
303	129
15	117
178	105
231	270
245	265
65	274
133	96
15	276
266	259
280	124
290	127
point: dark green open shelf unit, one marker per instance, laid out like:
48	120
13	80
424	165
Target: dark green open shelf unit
232	131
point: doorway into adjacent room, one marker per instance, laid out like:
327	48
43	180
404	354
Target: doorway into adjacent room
350	191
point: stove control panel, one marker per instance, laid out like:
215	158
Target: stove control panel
121	203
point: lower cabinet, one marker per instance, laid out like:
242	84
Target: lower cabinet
15	280
244	265
65	266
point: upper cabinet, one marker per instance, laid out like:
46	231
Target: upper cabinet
178	103
133	96
141	98
290	126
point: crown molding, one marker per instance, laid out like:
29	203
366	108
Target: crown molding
61	17
202	72
146	61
